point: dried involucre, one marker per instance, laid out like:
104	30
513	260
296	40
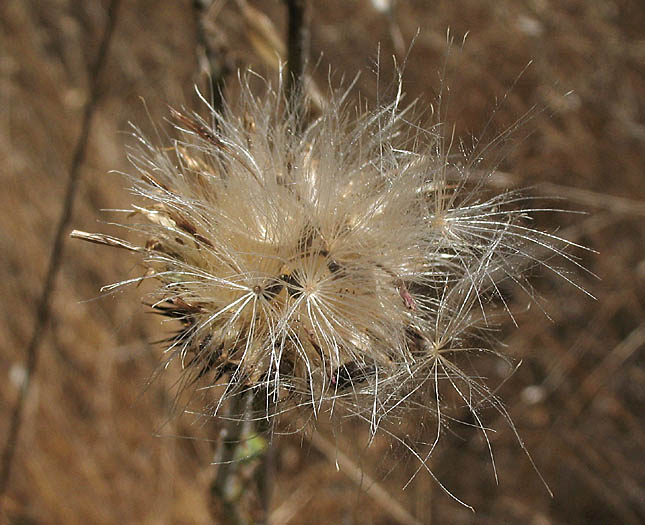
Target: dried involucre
347	261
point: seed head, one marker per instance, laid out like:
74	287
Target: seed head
351	260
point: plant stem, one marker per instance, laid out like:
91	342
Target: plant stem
241	489
216	65
298	12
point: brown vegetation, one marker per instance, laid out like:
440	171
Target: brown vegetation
89	449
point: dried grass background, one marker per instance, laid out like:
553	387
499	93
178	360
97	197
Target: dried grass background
88	452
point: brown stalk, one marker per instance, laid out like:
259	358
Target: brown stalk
43	311
212	53
298	12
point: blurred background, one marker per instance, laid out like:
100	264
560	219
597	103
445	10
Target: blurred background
88	450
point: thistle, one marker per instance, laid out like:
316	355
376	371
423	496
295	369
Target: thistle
348	261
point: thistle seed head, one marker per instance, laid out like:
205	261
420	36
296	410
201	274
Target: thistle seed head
349	261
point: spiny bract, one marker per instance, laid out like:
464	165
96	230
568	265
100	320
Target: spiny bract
350	259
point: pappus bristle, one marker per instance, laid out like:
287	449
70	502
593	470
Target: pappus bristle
348	261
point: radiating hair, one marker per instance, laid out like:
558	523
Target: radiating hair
347	261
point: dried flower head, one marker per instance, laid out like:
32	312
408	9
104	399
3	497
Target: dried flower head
351	261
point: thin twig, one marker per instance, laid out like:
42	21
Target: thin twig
605	369
294	504
373	489
216	65
298	12
43	311
265	40
613	203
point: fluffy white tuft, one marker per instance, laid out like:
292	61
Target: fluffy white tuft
351	261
